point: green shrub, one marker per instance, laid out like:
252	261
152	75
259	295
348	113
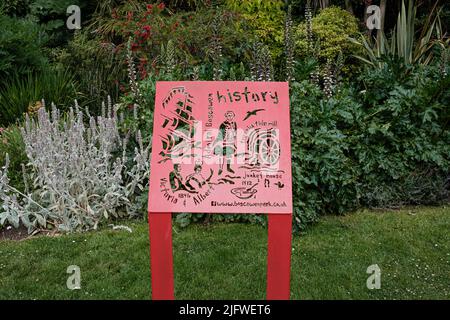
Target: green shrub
142	117
154	29
52	15
94	65
406	133
197	42
15	8
324	176
21	44
381	141
331	29
265	19
22	94
11	143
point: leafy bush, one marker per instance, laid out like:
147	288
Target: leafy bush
324	176
16	8
212	38
406	125
95	66
21	44
383	141
149	26
23	94
51	16
79	175
191	38
11	143
330	29
265	19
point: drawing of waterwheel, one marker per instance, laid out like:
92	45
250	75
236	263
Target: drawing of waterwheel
263	147
269	148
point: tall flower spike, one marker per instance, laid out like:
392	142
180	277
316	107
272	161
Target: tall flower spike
289	46
169	57
216	47
135	111
309	32
132	73
266	64
254	63
103	109
443	62
25	180
195	73
110	110
328	80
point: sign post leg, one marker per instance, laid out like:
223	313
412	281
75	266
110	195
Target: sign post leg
161	256
279	256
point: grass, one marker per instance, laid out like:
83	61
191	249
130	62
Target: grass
228	261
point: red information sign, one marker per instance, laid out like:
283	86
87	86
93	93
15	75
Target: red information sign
221	147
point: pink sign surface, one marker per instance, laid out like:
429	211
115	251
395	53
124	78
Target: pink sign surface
221	147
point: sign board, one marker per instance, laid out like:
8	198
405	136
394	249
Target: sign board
221	147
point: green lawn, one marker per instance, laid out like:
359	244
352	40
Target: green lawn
228	261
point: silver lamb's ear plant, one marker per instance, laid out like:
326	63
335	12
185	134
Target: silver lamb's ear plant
77	175
10	210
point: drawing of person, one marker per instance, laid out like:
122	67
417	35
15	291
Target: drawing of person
175	178
195	180
227	135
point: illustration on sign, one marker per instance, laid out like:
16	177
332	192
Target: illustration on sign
221	147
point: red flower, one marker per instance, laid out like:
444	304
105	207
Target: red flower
142	70
143	74
147	28
161	6
130	15
149	7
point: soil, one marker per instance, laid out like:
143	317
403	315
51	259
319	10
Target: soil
10	233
